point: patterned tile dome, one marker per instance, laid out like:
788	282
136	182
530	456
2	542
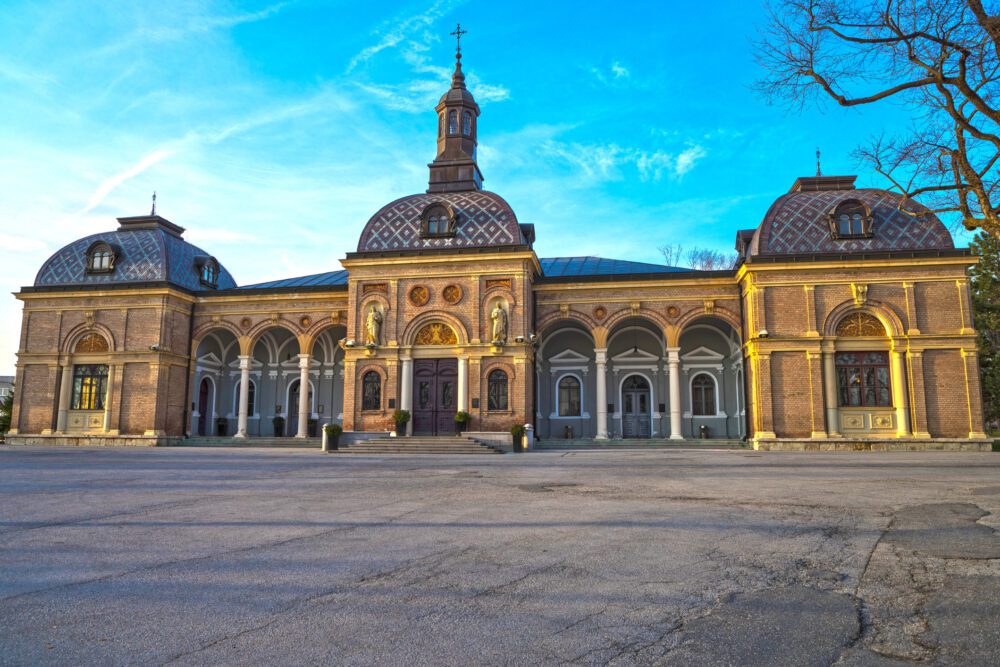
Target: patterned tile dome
800	222
482	219
147	249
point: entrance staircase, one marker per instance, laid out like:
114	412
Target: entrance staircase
554	444
253	441
418	445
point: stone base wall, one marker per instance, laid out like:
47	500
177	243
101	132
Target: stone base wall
94	441
871	445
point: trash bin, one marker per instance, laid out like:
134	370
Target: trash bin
703	432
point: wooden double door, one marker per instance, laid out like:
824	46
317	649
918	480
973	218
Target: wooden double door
435	396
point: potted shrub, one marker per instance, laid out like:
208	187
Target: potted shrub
311	427
333	432
278	423
517	433
401	418
221	426
461	421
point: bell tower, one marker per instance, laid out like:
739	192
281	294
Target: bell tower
455	169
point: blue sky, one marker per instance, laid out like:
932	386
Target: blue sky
273	130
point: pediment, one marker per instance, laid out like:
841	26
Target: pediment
569	357
235	363
637	356
703	354
294	362
209	359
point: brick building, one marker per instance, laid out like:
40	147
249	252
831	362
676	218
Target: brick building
846	324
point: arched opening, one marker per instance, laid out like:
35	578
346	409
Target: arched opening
636	358
712	401
564	393
216	373
88	375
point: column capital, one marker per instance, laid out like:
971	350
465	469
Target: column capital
674	355
244	362
601	355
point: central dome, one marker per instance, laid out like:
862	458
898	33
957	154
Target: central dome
481	219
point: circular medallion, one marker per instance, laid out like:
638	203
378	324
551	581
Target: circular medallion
600	312
452	294
246	322
419	295
673	312
305	321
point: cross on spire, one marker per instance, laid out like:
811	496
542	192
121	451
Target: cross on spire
818	171
458	37
153	212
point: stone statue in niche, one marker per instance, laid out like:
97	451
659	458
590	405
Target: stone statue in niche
499	318
373	327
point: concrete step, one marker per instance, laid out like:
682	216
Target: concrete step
658	443
418	445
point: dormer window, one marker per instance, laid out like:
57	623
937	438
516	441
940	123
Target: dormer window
101	258
208	271
438	220
851	219
452	122
467	124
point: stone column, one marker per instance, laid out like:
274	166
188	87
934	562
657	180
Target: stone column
303	397
601	355
463	384
108	393
899	394
830	384
65	393
406	391
241	424
674	362
915	386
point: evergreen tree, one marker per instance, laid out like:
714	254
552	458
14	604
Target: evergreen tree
6	406
985	281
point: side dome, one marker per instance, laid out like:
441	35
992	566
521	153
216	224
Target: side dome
827	215
472	219
145	249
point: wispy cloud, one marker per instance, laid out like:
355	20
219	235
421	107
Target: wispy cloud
194	24
608	162
109	184
395	32
615	75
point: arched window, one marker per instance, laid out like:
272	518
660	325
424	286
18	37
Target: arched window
210	273
92	343
851	219
437	220
101	259
251	399
371	391
569	396
467	124
497	390
90	387
452	122
703	395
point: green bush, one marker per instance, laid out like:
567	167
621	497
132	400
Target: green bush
462	417
401	416
333	430
517	431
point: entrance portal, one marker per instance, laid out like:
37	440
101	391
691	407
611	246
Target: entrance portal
636	417
435	396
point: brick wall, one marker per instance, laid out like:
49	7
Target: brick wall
947	405
790	395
